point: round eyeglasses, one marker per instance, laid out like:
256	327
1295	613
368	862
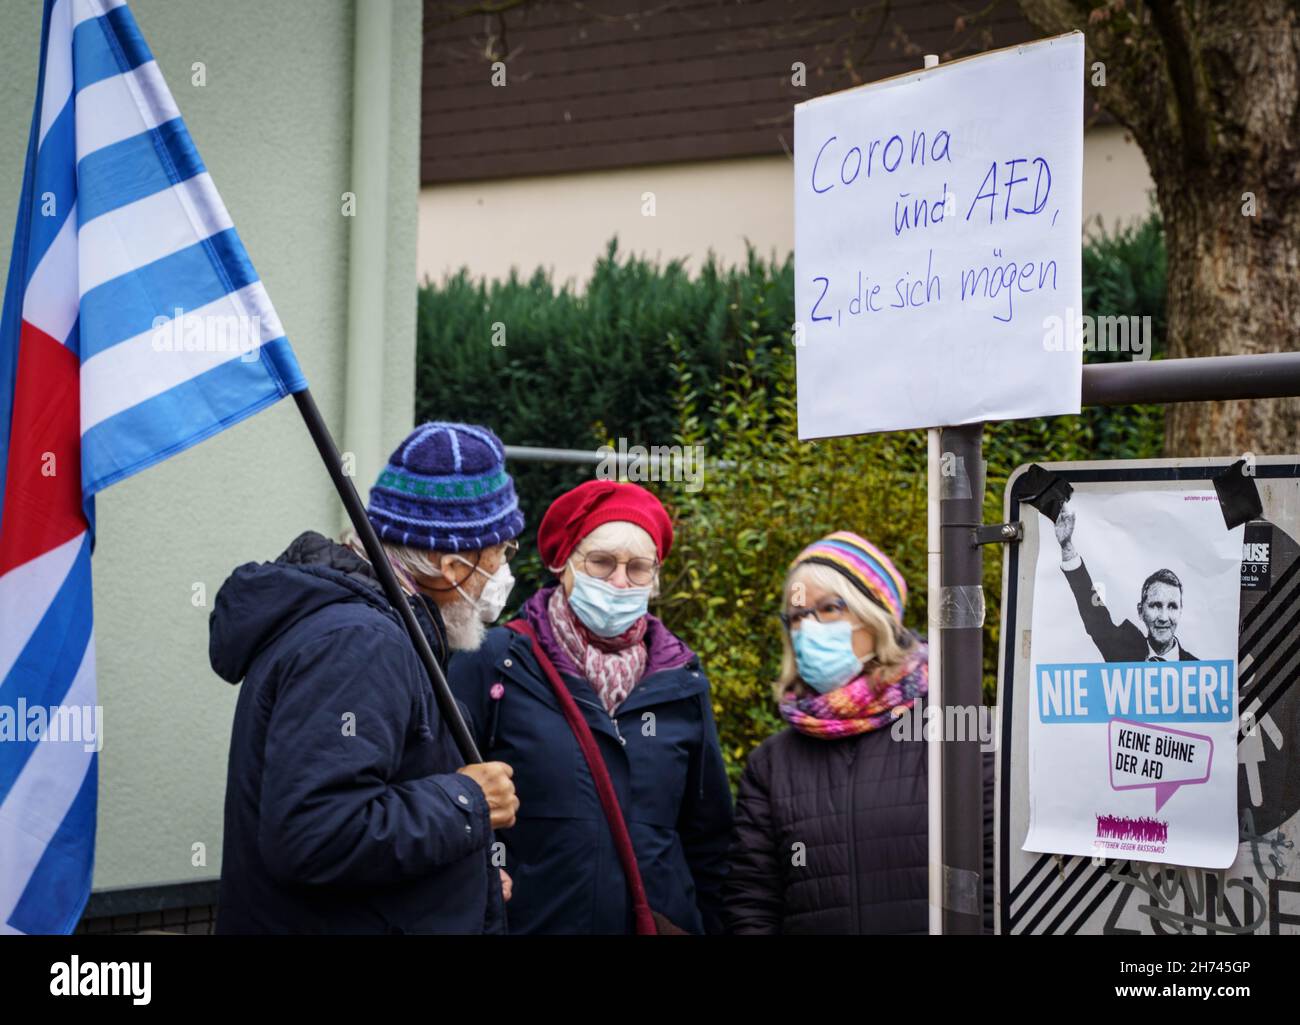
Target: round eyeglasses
828	610
602	565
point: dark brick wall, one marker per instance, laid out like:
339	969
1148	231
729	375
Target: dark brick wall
195	921
170	907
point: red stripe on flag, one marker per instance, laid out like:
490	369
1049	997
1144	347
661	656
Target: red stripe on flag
42	499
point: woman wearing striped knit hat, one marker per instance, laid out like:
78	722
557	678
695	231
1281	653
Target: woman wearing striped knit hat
830	824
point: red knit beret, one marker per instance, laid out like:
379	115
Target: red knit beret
576	513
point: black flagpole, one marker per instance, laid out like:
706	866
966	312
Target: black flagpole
329	453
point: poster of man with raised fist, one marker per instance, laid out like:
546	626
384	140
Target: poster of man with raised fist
1159	606
1132	736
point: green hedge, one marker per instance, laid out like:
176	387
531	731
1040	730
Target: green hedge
660	357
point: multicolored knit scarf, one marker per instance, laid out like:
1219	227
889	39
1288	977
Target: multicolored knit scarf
867	702
612	665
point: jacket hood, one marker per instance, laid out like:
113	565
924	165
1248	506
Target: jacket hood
260	601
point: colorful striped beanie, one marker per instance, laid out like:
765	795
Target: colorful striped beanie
445	488
865	566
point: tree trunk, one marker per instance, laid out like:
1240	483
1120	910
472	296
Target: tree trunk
1234	287
1210	89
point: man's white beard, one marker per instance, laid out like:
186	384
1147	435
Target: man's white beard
465	631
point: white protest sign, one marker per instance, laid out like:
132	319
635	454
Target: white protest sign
1133	689
937	235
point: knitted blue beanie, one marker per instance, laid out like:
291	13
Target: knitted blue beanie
446	489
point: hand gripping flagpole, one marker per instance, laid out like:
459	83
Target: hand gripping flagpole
329	454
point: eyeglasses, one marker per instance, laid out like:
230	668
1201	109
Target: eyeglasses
828	610
602	565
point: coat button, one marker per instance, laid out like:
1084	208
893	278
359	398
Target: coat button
508	663
463	799
469	829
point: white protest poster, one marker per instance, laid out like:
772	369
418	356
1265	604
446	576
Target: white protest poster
938	245
1133	707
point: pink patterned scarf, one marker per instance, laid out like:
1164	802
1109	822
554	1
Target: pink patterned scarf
866	702
612	665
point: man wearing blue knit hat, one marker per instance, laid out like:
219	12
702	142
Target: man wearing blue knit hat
348	808
447	513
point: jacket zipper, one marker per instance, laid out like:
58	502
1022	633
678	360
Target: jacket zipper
493	719
853	845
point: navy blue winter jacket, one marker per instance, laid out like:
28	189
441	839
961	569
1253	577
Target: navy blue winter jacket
661	749
344	813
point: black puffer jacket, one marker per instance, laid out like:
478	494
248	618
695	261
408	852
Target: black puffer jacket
831	837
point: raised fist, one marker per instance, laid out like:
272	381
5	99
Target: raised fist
1065	524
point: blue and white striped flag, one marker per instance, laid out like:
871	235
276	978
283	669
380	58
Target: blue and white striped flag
134	326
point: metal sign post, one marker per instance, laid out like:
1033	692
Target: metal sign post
961	640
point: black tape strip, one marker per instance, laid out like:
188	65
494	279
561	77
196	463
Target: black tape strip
1262	654
1091	909
1098	874
1266	705
1027	878
1059	894
1238	496
1275	604
1031	901
1264	657
1045	491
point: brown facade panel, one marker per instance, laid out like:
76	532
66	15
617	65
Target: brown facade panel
717	82
627	82
676	149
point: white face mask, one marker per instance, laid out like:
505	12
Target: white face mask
496	592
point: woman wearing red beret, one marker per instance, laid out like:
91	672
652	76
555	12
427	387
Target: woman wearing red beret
605	715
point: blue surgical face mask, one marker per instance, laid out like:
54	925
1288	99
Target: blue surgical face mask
604	609
823	653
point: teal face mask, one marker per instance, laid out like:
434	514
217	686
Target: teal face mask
823	653
604	609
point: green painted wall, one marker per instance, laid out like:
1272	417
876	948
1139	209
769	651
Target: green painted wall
273	124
